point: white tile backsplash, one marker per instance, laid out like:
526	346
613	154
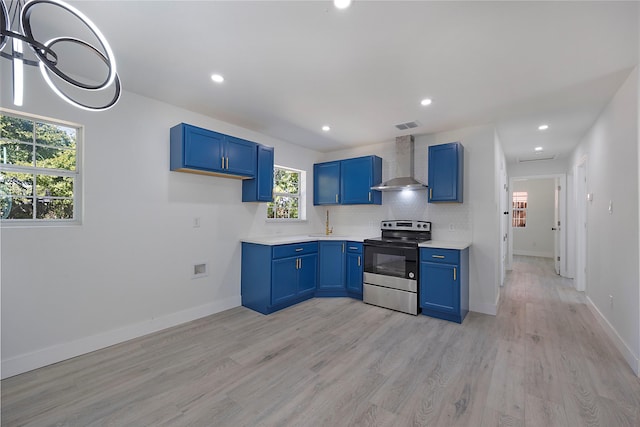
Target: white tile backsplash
365	219
401	205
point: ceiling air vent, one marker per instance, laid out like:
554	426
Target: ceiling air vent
408	125
535	159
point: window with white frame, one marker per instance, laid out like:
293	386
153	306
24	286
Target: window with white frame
519	209
39	170
288	194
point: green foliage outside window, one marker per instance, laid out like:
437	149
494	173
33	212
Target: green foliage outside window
286	194
37	169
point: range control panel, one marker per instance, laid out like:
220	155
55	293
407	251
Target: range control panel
409	225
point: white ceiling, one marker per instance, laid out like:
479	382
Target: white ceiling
292	67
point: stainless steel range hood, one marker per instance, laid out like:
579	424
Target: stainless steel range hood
405	167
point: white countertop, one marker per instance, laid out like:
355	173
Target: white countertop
441	244
284	240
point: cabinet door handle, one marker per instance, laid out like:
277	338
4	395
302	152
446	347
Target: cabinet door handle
454	273
299	249
300	264
358	261
227	163
353	248
369	195
343	248
336	198
297	263
222	166
431	193
437	256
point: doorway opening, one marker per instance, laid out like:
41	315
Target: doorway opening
538	219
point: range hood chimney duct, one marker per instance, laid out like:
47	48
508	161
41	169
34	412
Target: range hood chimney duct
404	168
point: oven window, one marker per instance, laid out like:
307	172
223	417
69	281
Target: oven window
389	265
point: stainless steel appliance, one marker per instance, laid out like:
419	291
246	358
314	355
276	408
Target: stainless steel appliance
391	265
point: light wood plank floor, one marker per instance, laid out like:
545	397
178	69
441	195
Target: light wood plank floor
542	361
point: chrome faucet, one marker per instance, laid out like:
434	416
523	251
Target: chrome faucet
328	230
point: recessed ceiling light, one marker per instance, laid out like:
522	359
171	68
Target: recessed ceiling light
342	4
425	101
543	127
326	128
538	149
217	78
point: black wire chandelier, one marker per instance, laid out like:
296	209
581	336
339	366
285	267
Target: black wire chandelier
16	33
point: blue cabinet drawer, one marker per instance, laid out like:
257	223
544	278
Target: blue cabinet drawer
354	247
449	256
283	251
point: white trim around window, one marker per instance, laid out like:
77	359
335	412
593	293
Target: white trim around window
44	188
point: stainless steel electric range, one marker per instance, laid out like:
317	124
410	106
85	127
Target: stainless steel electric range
391	265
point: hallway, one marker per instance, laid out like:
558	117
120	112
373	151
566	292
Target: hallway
553	344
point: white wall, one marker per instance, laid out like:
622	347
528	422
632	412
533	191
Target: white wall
637	368
536	239
126	270
500	196
475	220
611	148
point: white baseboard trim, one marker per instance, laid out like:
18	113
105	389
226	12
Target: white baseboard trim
57	353
541	254
622	347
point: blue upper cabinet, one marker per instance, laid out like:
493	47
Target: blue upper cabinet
326	183
241	157
198	150
347	182
358	176
446	166
203	149
260	189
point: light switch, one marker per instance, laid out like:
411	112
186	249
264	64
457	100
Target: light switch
610	207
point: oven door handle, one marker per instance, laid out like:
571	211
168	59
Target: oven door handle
387	246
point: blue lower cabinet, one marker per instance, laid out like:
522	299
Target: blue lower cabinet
444	283
340	269
275	277
354	269
284	279
307	274
331	274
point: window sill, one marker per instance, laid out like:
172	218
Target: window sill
38	224
281	220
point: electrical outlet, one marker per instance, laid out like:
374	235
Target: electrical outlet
199	270
611	300
196	222
452	227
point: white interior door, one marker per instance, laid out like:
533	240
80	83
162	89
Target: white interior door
504	227
556	226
